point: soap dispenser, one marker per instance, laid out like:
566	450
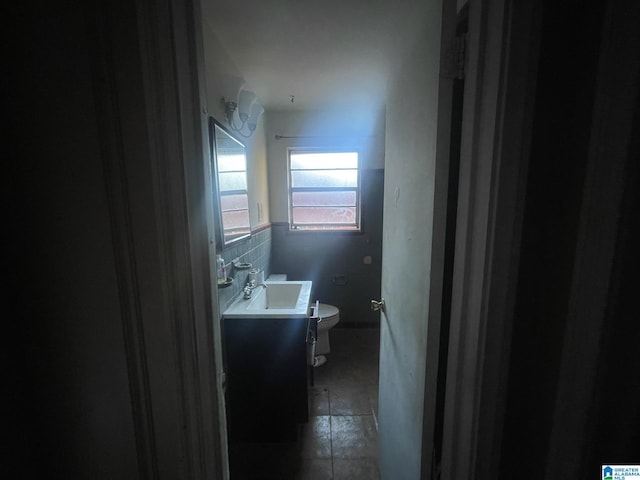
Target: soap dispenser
221	270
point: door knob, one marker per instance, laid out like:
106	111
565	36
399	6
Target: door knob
375	305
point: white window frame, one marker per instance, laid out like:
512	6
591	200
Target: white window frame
325	228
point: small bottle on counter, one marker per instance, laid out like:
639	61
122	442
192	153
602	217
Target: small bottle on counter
221	270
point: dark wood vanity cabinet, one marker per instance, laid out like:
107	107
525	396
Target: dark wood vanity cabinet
266	371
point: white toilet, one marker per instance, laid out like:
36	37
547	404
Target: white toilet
329	316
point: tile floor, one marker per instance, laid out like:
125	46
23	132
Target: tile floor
340	440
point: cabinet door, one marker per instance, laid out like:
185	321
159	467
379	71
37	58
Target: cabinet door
266	375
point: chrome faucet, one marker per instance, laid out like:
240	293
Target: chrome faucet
250	287
247	291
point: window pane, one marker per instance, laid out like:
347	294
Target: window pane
232	163
236	222
234	202
312	199
311	174
232	181
324	178
337	215
319	160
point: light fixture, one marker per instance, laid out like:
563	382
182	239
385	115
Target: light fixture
248	112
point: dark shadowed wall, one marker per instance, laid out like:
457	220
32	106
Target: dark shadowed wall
334	262
571	357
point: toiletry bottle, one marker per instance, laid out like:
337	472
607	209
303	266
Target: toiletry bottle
221	270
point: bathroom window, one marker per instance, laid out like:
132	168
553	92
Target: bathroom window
324	190
232	186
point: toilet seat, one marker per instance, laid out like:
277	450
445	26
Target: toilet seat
328	315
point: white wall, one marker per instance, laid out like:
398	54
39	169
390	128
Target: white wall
410	164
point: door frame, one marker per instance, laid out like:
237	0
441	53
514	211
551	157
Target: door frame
502	45
172	50
149	72
497	114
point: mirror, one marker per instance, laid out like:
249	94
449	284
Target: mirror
229	170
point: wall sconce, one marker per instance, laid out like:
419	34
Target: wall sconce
248	112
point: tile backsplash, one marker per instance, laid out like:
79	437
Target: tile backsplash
256	250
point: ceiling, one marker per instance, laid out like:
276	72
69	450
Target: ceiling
326	53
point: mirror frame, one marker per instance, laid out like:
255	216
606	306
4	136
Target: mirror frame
221	241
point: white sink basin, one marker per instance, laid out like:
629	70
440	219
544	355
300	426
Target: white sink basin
279	299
